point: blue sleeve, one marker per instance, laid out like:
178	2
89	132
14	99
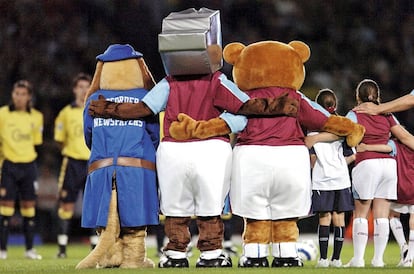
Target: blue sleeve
314	105
391	143
153	129
156	99
352	116
87	125
236	123
233	88
412	92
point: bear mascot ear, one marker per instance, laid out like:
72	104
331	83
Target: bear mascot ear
302	49
232	51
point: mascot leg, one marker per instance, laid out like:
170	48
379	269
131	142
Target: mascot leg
107	238
178	234
113	257
343	126
210	243
285	234
256	238
134	249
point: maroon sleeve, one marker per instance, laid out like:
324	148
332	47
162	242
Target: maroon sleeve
405	174
310	117
227	95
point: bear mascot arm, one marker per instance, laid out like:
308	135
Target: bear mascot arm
266	69
305	111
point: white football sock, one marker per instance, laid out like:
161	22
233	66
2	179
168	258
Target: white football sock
397	231
410	253
359	237
381	234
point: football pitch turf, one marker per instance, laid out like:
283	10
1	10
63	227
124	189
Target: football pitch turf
16	263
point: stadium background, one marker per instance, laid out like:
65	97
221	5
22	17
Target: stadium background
49	41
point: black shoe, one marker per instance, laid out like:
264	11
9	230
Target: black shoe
167	262
61	255
221	261
253	262
287	262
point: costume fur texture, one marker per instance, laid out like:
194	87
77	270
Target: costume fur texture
261	72
269	64
187	128
342	126
107	239
116	248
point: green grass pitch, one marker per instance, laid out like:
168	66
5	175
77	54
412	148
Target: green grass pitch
16	263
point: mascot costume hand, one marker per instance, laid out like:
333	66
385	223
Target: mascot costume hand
121	74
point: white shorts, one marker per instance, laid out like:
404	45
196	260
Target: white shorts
194	177
375	178
403	209
270	182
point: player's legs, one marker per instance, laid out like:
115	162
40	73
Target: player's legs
360	232
71	181
406	250
28	208
408	260
65	214
323	204
381	208
343	203
338	221
386	190
397	227
323	234
8	192
6	211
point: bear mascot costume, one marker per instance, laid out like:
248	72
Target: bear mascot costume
194	175
121	196
271	184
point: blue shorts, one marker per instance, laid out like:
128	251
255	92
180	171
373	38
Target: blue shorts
72	179
332	200
17	181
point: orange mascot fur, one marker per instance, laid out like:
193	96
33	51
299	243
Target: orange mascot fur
118	246
272	200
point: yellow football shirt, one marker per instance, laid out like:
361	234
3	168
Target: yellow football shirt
20	132
69	132
37	126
